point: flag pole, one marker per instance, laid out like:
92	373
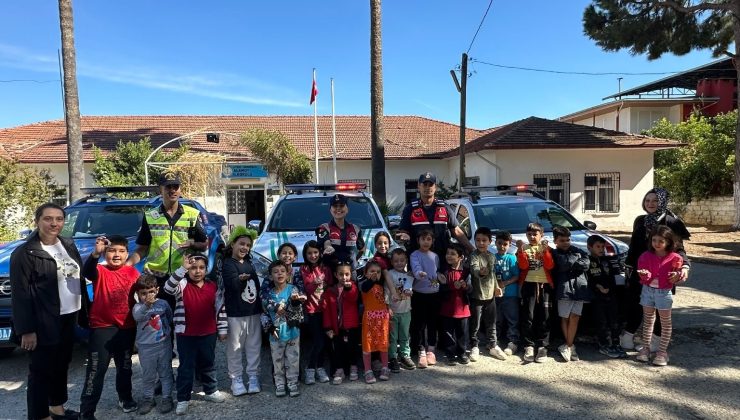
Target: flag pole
315	133
333	133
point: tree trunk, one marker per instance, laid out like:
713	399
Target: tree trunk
71	102
377	149
736	181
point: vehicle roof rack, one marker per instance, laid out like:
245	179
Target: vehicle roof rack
475	192
344	186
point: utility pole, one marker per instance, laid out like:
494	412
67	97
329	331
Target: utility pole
462	87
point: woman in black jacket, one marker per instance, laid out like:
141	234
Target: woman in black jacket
655	205
47	296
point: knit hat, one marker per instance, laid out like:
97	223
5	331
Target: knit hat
240	231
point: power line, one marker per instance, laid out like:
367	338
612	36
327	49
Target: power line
581	73
28	81
479	26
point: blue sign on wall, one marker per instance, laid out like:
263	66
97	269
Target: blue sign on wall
244	171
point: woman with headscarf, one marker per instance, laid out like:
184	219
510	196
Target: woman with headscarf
655	205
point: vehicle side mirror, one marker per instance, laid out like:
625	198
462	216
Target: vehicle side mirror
255	224
589	224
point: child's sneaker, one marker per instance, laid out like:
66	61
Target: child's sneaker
627	341
369	377
510	349
310	376
321	375
528	354
407	363
608	351
394	365
280	390
619	351
422	360
182	408
338	377
146	406
353	373
644	355
254	385
661	359
541	355
293	389
431	357
166	405
464	359
564	351
385	374
451	360
474	353
215	396
497	353
237	386
573	355
128	406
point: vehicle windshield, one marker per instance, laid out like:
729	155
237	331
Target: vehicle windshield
306	214
93	221
514	217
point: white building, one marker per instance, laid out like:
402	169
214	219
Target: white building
600	175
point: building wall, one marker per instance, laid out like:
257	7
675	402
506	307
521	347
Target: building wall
633	119
634	167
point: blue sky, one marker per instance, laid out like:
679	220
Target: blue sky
169	57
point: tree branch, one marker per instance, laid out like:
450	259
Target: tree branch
703	6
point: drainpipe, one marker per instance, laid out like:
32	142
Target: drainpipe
498	168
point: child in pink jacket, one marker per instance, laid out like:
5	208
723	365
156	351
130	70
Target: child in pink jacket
659	269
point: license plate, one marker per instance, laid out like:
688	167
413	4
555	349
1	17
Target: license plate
4	334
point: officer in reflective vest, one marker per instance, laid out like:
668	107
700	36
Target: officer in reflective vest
166	232
430	213
339	239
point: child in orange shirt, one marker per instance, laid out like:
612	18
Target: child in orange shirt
375	321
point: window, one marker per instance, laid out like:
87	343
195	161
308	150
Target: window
472	181
463	220
59	196
555	187
236	201
601	192
305	213
411	190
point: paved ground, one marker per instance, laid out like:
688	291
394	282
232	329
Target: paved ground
703	380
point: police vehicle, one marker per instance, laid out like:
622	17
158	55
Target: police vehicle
102	213
512	208
304	207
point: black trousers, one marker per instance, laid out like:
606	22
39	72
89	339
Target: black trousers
483	312
424	320
535	319
345	350
455	336
317	340
197	357
106	344
47	371
604	310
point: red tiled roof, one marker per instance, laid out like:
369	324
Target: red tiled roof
405	136
540	133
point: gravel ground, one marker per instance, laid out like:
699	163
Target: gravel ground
702	380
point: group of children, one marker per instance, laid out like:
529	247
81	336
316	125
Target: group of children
397	307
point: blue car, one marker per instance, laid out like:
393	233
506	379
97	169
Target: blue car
101	214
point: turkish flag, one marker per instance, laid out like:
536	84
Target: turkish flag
314	90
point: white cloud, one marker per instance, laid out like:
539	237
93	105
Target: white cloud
224	86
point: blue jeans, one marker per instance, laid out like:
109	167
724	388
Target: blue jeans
197	354
507	319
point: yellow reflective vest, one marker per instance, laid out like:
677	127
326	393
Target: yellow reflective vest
164	255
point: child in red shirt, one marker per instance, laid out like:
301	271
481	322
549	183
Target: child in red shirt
112	327
199	315
455	309
342	323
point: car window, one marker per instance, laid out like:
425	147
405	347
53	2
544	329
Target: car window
92	221
514	217
306	214
463	220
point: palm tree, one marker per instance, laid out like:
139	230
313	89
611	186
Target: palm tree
71	101
377	150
